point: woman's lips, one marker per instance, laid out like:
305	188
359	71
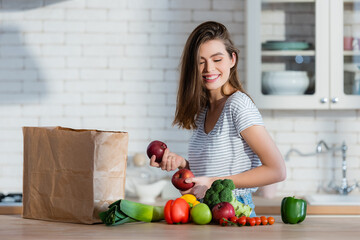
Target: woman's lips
211	78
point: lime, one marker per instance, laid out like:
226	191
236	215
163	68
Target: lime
201	214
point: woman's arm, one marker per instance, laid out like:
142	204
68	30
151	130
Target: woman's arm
273	166
271	171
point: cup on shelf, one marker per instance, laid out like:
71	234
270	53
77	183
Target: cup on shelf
348	43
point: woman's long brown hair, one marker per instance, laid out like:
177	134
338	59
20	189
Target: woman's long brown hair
192	95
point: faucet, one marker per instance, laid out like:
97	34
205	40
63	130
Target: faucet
319	147
344	188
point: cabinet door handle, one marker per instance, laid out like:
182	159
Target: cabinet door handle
324	100
334	99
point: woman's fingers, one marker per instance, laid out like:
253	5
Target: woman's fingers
190	180
170	163
200	187
153	163
164	161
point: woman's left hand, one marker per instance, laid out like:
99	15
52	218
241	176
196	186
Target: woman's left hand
202	184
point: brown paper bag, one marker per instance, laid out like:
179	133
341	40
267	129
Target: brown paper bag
72	175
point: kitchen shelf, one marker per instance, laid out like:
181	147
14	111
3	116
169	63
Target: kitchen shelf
351	53
288	53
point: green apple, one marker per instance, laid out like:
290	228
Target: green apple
201	214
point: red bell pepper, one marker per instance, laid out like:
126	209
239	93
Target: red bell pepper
176	211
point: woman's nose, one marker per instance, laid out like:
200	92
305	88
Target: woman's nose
209	67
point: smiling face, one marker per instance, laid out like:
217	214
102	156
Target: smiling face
215	64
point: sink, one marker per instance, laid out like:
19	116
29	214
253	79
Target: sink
332	200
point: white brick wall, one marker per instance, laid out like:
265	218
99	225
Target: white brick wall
113	65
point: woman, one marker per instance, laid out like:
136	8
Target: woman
229	138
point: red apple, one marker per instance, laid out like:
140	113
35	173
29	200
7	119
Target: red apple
178	179
222	210
156	148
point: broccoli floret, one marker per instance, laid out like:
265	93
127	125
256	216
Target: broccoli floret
226	195
228	184
221	191
212	196
217	187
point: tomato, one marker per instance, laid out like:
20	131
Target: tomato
264	220
224	222
251	222
233	219
271	220
257	220
221	222
241	221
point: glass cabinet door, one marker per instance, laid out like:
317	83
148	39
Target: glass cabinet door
288	48
345	45
288	53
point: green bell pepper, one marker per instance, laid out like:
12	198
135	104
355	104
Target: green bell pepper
293	210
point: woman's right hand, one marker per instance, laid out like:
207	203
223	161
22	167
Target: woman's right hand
202	184
170	161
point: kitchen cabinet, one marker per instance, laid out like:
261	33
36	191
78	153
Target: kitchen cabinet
303	54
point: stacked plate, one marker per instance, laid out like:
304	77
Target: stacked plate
284	45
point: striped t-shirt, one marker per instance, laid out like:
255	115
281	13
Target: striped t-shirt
223	151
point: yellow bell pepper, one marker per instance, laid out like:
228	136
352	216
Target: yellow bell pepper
190	199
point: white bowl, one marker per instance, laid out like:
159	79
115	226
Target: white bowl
285	82
147	193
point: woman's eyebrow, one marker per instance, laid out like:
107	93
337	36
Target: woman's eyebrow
215	54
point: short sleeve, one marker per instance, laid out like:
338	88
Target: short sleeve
245	113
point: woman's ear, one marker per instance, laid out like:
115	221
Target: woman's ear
233	59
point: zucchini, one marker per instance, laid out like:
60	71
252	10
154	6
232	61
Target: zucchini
142	212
